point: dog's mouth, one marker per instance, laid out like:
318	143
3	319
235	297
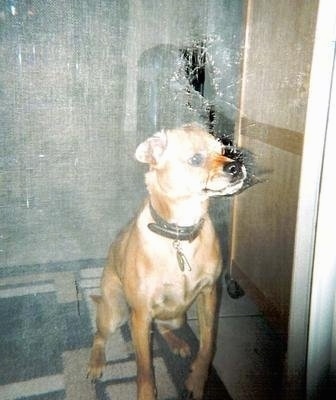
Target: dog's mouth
227	190
228	182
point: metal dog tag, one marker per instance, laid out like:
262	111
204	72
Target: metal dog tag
181	258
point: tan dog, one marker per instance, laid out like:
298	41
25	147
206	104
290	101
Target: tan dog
169	255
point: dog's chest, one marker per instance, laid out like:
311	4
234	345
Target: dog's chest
177	271
173	297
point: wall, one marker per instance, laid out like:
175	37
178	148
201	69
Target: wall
277	60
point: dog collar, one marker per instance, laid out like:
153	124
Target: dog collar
173	231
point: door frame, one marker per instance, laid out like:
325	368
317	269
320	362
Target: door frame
311	354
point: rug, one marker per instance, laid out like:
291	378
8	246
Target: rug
47	325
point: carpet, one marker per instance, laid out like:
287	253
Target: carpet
47	325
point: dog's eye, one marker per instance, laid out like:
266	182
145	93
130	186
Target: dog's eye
196	160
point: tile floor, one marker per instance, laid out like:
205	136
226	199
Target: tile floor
248	354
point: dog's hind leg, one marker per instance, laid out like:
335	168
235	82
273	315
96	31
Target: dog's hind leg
177	345
112	312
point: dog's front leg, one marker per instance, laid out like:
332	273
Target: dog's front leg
206	309
141	334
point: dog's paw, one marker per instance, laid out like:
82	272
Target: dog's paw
96	365
94	372
181	349
177	345
195	384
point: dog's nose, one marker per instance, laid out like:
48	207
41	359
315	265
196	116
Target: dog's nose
234	169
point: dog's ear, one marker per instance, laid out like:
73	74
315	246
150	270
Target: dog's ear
151	150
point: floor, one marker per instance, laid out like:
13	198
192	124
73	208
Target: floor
248	354
48	323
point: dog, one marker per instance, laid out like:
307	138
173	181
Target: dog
169	255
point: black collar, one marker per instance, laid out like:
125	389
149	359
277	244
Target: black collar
173	231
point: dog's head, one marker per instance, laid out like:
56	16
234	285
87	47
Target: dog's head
189	161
